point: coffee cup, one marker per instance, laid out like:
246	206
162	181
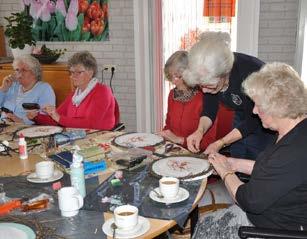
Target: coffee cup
44	169
126	217
70	201
169	187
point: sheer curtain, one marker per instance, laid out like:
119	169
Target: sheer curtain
182	22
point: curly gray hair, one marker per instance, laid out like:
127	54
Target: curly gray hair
86	59
177	62
209	59
279	90
32	63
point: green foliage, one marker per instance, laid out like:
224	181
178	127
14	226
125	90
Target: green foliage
19	30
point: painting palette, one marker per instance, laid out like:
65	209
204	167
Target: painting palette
182	167
138	140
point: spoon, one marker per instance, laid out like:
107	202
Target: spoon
158	194
114	227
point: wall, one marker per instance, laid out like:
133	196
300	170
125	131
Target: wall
278	30
118	51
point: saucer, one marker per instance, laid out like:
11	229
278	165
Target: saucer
15	230
182	195
56	176
141	228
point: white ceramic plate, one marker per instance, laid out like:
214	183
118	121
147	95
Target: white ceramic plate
34	179
182	195
141	228
40	131
138	140
182	167
10	230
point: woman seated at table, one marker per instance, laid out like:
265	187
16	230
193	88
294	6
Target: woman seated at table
24	86
91	105
185	105
275	196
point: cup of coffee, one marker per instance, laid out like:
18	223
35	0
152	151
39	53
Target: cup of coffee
126	217
44	169
169	187
70	201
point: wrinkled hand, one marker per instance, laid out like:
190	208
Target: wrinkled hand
13	118
51	111
214	147
220	163
7	82
31	114
193	141
170	136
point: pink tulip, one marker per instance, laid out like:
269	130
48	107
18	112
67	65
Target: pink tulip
42	9
71	20
60	6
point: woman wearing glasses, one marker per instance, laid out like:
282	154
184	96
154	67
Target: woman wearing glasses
91	105
24	86
220	73
185	106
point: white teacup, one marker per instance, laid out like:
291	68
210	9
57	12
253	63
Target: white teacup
169	187
44	169
126	217
70	201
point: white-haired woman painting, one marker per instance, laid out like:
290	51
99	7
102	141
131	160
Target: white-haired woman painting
220	72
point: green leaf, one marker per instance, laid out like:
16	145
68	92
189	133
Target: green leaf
85	36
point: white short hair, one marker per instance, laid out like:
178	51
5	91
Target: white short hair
209	59
279	90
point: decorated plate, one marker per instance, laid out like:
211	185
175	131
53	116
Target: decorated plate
39	131
15	230
182	167
138	140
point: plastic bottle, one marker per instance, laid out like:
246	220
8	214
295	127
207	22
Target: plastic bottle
77	174
22	146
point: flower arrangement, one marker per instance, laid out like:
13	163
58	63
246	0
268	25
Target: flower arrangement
69	20
47	56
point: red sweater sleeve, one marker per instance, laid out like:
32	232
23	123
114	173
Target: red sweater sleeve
167	121
96	111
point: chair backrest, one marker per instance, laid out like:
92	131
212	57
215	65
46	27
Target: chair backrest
118	126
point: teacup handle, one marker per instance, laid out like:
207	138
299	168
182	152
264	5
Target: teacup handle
80	200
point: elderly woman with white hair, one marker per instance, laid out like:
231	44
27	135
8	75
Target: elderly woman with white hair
275	196
220	73
25	85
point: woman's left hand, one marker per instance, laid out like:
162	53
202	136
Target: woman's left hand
220	163
51	111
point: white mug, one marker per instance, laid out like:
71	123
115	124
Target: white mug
44	169
169	187
70	201
126	217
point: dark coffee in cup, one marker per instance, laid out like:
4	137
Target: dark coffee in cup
168	182
125	213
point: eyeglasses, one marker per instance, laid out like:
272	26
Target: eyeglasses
76	73
173	77
21	71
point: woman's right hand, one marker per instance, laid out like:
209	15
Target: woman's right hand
31	114
214	147
193	141
51	111
7	82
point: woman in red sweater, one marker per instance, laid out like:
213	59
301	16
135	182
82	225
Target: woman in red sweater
185	105
91	105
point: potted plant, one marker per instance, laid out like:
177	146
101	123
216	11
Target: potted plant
19	32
